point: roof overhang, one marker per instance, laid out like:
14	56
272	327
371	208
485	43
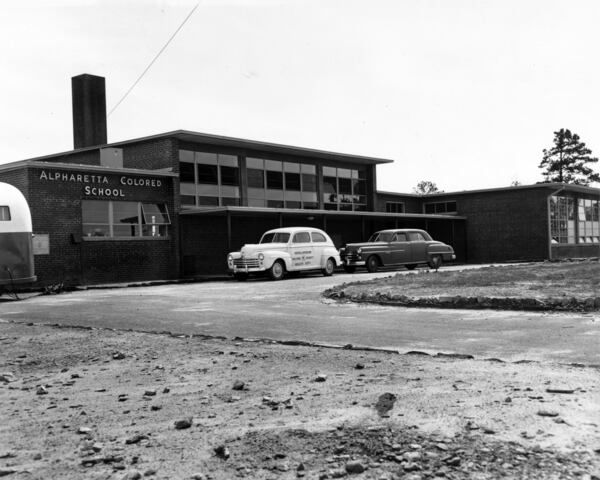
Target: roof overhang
241	211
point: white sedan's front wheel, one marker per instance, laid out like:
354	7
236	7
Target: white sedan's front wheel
277	270
329	267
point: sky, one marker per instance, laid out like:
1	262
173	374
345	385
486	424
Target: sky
465	94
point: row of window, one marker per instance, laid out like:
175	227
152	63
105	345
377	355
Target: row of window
102	218
574	220
212	179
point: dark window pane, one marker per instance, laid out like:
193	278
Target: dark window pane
329	185
275	203
208	174
230	176
451	207
230	202
330	206
311	205
94	211
318	237
208	201
4	213
309	182
256	178
301	237
125	212
186	172
95	230
188	200
293	204
345	185
274	180
292	181
440	208
120	230
430	208
360	187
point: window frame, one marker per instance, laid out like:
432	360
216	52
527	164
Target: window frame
139	226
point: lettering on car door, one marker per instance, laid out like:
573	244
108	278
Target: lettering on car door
303	255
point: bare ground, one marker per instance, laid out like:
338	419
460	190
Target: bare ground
103	404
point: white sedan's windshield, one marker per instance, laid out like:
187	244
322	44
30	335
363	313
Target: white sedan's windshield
275	237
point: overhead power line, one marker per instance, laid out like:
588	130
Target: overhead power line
153	60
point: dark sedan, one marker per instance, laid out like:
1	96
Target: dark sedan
409	247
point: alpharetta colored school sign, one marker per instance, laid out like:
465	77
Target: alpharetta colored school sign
100	185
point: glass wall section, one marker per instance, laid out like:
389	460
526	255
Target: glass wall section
574	220
277	184
344	189
209	179
588	218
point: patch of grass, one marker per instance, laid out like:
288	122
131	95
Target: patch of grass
579	279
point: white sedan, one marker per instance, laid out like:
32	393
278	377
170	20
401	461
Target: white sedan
285	250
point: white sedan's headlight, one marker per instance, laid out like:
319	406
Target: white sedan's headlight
261	256
359	251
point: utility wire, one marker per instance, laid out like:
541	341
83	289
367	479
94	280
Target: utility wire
153	60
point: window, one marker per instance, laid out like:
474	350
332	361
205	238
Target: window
441	208
301	237
278	184
344	189
124	219
4	213
399	237
415	237
574	220
318	237
275	237
208	179
394	207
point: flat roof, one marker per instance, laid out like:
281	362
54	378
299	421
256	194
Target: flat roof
310	213
553	185
78	166
219	140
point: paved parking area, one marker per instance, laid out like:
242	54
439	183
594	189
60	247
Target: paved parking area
293	309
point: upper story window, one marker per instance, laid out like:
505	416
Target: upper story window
4	213
209	179
108	218
441	207
279	184
344	189
394	207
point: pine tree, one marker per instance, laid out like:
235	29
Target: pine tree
566	161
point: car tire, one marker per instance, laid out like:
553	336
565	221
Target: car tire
329	267
349	268
411	266
240	277
277	270
372	264
435	262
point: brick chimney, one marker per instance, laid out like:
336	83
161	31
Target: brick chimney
89	110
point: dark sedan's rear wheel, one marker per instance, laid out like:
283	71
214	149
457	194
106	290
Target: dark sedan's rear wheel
435	262
372	263
349	268
277	270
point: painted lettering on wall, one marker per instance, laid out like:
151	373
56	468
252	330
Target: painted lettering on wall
100	185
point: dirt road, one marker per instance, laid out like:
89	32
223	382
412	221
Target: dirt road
86	403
